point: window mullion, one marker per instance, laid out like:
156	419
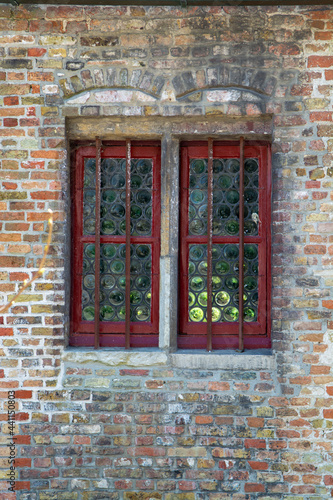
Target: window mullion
97	240
128	247
209	244
241	244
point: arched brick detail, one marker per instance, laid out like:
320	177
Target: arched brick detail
122	78
222	76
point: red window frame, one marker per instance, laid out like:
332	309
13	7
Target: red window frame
225	335
112	334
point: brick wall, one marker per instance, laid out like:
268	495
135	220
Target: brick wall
127	428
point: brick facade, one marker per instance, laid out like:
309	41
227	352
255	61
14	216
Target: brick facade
139	426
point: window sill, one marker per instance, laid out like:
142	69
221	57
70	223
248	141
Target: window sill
260	359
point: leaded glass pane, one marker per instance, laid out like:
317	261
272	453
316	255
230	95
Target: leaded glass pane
225	197
113	282
225	283
113	196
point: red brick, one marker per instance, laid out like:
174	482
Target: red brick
36	52
254	488
258	465
328	304
11	100
320	61
10	122
315	249
328	413
255	443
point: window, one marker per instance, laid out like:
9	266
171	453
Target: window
230	236
108	177
187	293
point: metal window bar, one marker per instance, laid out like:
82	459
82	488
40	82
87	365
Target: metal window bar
209	244
128	247
241	244
97	240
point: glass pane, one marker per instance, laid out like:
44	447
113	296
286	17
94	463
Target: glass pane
113	282
113	196
225	283
225	196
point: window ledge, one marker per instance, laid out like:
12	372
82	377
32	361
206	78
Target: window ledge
260	359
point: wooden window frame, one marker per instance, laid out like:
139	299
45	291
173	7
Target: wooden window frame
226	335
112	334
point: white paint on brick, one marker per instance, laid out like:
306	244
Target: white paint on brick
142	97
81	99
114	96
223	95
50	89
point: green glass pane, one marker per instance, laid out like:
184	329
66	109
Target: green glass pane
89	281
232	283
148	298
216	283
250	195
250	251
89	196
202	212
136	181
135	297
118	181
224	182
108	227
216	314
191	299
197	227
202	299
136	212
251	165
88	313
109	250
117	211
142	251
197	196
89	226
198	166
231	252
197	283
196	252
232	196
196	314
109	196
107	313
117	266
122	313
231	314
250	283
142	313
250	227
191	268
222	298
232	227
224	211
143	196
222	267
144	166
249	314
116	297
217	166
202	267
142	282
108	281
233	166
90	251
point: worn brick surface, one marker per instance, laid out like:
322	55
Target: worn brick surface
95	432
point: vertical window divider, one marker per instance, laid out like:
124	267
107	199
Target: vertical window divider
209	244
128	247
241	244
97	240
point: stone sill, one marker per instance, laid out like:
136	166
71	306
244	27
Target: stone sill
260	359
